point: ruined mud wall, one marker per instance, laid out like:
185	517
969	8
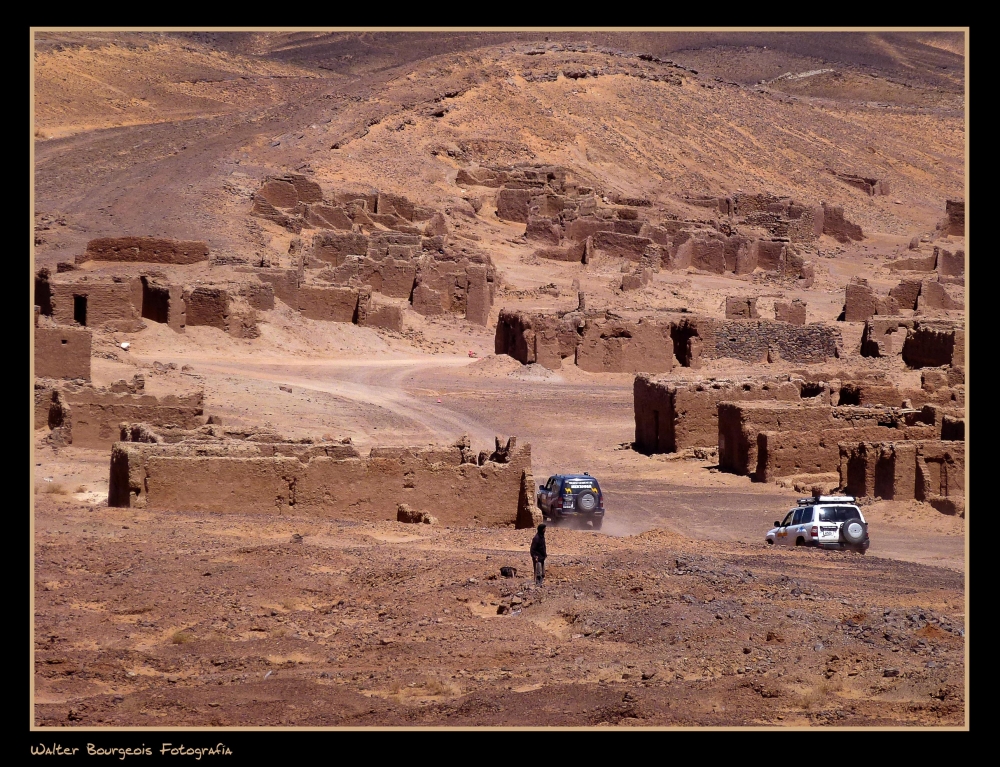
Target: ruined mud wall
604	343
934	343
115	302
329	304
804	438
288	478
62	352
923	470
545	339
94	414
620	346
673	415
145	249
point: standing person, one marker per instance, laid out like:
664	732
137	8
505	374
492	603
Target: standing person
538	554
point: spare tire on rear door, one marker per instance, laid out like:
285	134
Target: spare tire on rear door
853	532
586	501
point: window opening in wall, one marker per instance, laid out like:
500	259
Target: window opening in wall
80	310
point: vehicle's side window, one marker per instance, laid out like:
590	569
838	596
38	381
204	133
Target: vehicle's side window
797	517
551	483
787	520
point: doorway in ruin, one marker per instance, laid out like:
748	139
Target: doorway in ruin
155	302
857	476
810	390
683	336
884	473
43	294
656	431
80	310
850	395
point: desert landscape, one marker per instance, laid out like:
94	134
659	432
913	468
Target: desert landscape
316	313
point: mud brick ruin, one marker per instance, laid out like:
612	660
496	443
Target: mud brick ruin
741	308
371	243
151	250
793	312
954	220
925	470
601	342
867	184
921	343
803	426
61	352
765	440
672	415
573	222
89	416
211	469
123	302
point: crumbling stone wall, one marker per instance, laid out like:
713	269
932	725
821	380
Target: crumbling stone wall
754	340
62	352
320	479
145	249
545	339
332	304
207	306
674	415
949	264
861	302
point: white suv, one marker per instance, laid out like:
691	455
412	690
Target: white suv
828	521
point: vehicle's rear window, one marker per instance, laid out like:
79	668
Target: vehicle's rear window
578	485
838	513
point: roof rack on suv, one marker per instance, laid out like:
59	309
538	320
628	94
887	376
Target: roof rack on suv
826	499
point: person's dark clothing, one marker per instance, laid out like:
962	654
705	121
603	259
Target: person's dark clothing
538	547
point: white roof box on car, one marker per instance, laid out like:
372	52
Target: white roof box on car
827	499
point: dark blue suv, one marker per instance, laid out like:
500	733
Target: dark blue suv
572	496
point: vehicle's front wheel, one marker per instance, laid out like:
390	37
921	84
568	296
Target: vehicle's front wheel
770	542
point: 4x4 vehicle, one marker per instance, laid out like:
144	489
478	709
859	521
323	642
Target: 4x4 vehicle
827	521
572	496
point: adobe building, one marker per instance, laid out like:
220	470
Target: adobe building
374	240
674	415
151	250
932	471
61	351
90	417
226	472
766	440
